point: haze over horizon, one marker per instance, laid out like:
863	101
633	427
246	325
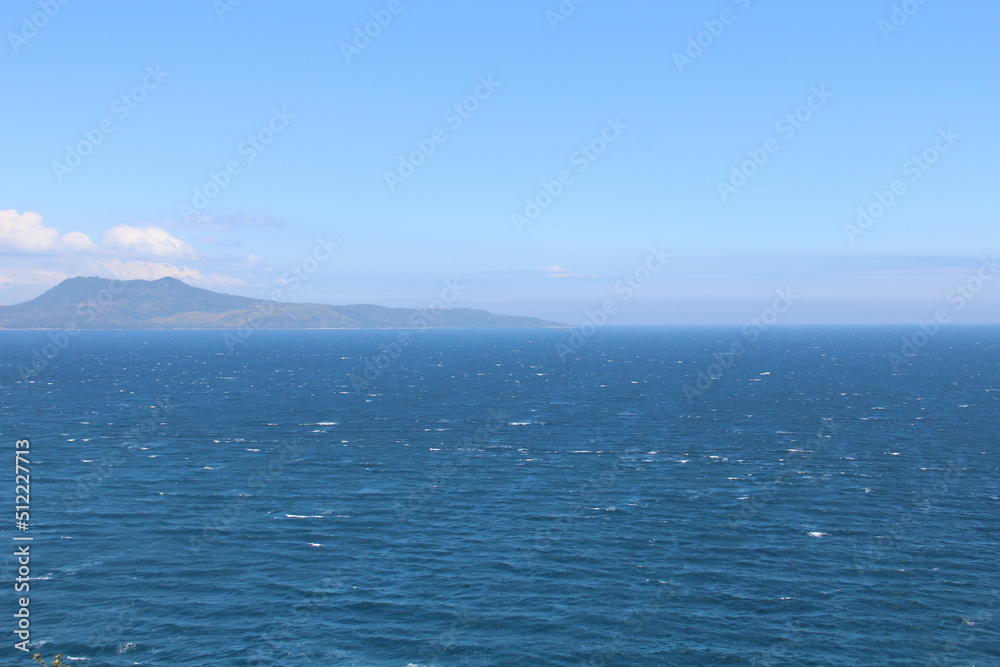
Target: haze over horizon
686	162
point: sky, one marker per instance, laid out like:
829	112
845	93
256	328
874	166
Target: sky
661	162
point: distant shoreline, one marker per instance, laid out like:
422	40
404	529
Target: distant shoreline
851	325
334	328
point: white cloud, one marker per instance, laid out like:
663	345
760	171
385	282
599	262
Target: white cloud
138	270
125	251
26	233
556	271
146	242
79	242
18	277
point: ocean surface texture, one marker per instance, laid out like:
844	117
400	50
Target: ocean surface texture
509	497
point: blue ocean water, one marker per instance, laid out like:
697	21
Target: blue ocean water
476	498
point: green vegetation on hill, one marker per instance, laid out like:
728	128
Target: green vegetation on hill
168	303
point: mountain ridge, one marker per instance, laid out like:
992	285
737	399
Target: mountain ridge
169	303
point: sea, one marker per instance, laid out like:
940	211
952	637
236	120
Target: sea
614	496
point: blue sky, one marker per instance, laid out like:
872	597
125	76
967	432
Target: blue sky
619	99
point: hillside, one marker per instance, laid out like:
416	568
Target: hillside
168	303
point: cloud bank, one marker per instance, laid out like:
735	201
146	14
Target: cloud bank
125	252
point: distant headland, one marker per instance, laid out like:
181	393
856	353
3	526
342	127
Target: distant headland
168	303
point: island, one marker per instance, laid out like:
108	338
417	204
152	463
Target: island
169	303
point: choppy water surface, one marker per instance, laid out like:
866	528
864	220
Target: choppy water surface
484	501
